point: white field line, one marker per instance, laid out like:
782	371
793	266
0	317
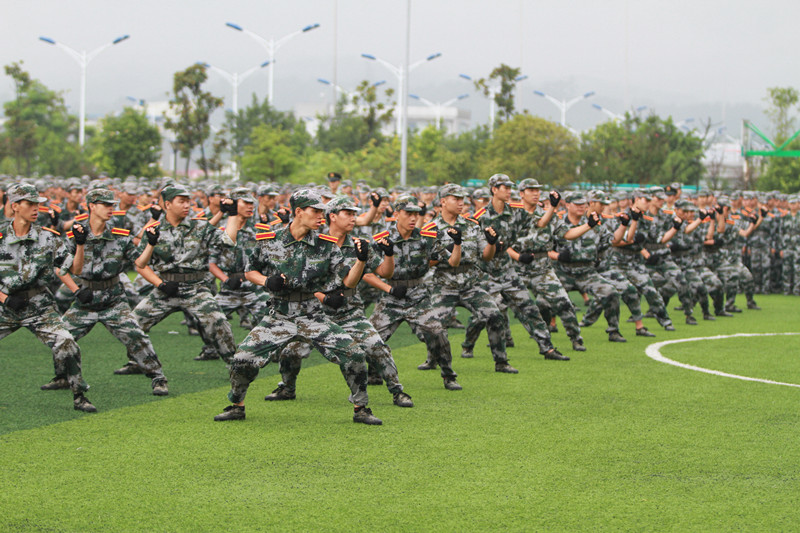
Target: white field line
654	352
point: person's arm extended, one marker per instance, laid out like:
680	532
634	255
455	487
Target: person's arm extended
149	275
374	281
68	281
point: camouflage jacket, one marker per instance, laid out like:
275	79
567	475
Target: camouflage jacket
233	259
473	242
354	303
186	247
503	224
412	256
528	236
30	261
687	248
584	250
791	234
763	236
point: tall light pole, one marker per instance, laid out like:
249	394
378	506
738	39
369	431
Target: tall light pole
564	105
234	78
494	90
83	58
271	46
439	107
401	72
339	89
617	116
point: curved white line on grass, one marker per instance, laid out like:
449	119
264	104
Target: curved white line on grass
654	352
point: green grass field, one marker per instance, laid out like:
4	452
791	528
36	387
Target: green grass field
610	440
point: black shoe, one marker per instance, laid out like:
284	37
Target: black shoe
669	327
374	380
505	368
81	403
160	388
708	316
723	313
401	399
644	332
193	332
455	324
466	353
509	344
692	321
578	346
679	308
630	319
615	336
207	357
427	365
363	415
56	384
232	412
451	384
649	314
279	394
128	369
753	306
733	309
553	328
555	355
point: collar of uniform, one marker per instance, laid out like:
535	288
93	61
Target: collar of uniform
32	235
395	235
491	211
289	240
106	235
348	241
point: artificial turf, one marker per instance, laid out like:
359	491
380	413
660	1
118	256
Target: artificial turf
609	440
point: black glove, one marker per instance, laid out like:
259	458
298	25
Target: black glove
79	236
231	209
455	234
155	212
624	219
362	250
283	215
639	238
526	258
169	288
702	214
16	302
753	219
84	295
152	237
593	220
54	219
275	283
398	292
233	282
334	300
564	255
491	239
635	214
652	260
677	223
764	212
555	198
424	209
376	199
387	249
718	209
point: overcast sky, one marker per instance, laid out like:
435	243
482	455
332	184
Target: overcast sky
692	59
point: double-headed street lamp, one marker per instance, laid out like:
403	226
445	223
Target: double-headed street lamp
234	78
402	72
439	107
617	116
564	105
83	58
494	90
349	94
271	46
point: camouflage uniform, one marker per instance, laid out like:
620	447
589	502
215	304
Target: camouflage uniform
791	254
734	275
687	252
663	271
759	244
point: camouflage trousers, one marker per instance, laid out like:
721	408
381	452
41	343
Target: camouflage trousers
759	268
354	322
120	322
791	272
667	278
484	314
551	298
63	298
510	293
627	292
714	287
131	294
251	305
638	276
303	321
735	278
417	310
693	279
589	281
194	300
41	318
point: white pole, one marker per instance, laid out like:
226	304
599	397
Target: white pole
82	118
404	102
235	93
271	70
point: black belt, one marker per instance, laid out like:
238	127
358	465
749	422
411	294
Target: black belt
405	282
682	253
654	246
539	255
628	251
30	293
347	293
460	269
99	285
182	277
296	297
579	263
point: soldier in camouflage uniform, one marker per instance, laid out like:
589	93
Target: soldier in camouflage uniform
179	252
99	253
734	275
503	283
304	270
406	298
29	255
340	213
760	245
791	246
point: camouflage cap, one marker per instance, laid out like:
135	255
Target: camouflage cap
243	193
334	176
599	196
304	198
528	183
380	191
100	196
452	189
500	179
340	203
347	183
481	193
131	187
724	200
657	192
72	184
406	202
24	191
215	189
267	190
326	193
642	193
672	189
171	191
575	197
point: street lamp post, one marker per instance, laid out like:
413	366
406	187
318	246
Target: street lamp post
234	78
494	90
439	107
271	46
402	73
83	58
617	116
349	94
564	105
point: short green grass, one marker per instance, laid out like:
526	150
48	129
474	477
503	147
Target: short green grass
610	440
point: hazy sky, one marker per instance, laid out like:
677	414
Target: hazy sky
695	58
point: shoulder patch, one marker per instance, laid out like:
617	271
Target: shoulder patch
142	207
668	211
55	207
327	238
119	213
429	225
729	221
54	232
381	235
390	219
607	216
736	217
265	235
43	209
81	217
275	220
154	223
199	217
426	233
1	234
647	217
120	231
70	235
262	226
480	213
516	205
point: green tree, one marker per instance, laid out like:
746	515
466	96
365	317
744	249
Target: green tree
128	144
354	123
531	147
781	100
192	107
270	155
504	95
